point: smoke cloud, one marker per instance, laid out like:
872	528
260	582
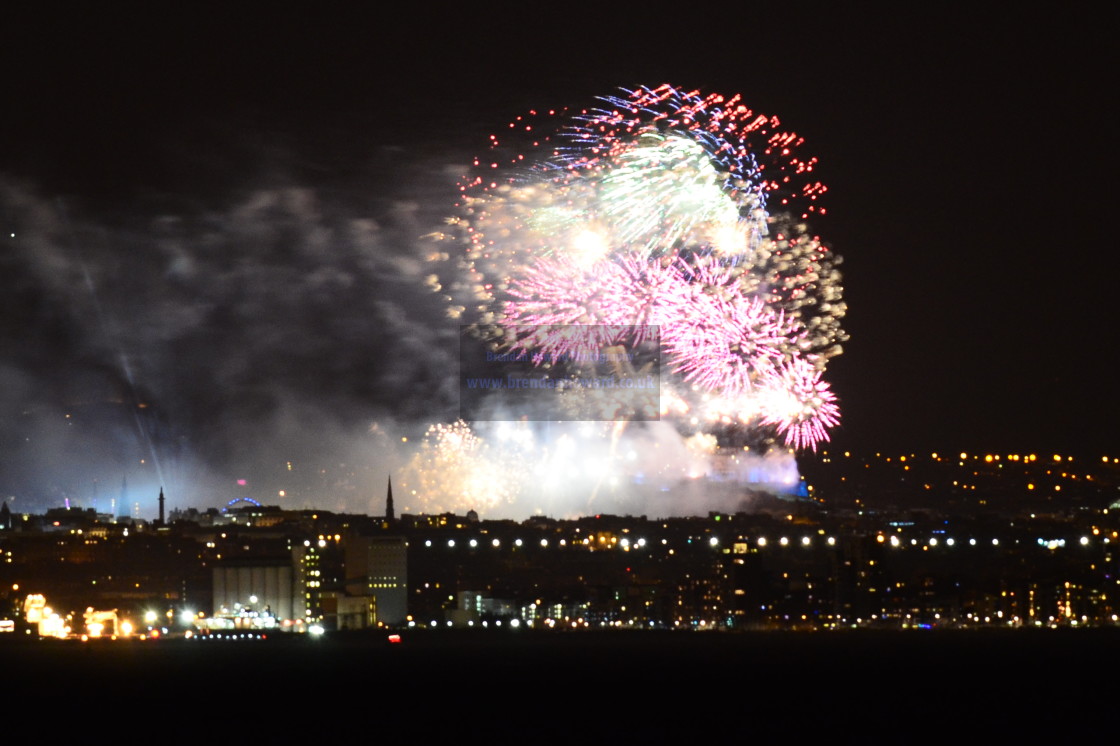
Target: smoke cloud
195	345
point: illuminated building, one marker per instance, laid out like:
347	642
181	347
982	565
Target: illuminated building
307	561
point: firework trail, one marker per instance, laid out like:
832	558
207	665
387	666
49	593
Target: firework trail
660	211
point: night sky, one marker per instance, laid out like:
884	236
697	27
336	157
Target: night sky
220	216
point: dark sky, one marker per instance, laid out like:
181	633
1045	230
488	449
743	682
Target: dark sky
219	214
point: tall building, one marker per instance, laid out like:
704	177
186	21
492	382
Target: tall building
377	566
307	561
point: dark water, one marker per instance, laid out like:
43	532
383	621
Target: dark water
669	687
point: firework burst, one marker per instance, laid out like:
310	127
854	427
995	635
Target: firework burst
456	470
799	404
661	208
663	211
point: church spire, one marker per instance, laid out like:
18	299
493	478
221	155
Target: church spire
390	514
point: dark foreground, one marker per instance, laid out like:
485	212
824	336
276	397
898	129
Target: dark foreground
579	686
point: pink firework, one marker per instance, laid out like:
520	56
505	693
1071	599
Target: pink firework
731	345
582	309
713	334
643	293
563	309
557	290
799	405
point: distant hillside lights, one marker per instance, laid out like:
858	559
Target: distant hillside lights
826	457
